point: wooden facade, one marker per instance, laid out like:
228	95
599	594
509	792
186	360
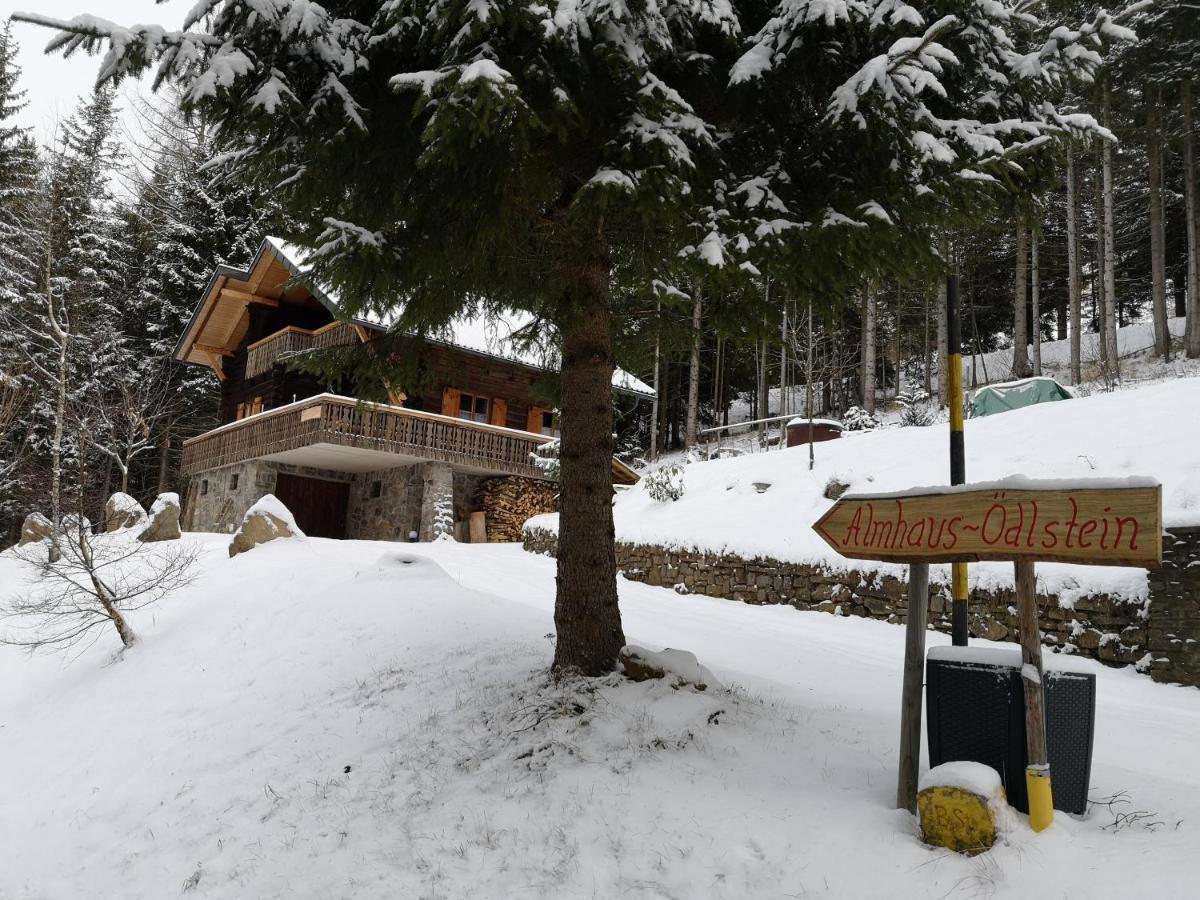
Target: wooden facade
470	412
343	421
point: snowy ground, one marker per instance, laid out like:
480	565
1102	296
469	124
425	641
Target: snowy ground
1150	431
354	719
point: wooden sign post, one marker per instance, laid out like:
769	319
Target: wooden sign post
1095	522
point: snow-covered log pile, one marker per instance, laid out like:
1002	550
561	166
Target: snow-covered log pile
509	502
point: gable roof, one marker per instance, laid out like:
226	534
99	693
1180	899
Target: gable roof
278	274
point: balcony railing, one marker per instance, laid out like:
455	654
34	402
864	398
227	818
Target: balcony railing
263	354
329	419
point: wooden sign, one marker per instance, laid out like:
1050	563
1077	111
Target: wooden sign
1100	525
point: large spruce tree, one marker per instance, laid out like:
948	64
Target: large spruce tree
545	157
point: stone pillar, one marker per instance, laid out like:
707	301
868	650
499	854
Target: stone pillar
437	495
1174	626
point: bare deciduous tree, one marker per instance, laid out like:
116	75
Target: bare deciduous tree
92	582
121	419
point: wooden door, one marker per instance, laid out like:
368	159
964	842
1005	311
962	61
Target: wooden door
318	506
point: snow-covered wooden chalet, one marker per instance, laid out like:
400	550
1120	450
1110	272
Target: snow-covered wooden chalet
348	468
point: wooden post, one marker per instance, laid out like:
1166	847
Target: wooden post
1037	769
914	677
478	527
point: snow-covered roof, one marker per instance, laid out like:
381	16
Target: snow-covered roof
490	334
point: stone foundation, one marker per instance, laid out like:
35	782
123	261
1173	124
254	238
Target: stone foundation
391	515
1111	630
386	505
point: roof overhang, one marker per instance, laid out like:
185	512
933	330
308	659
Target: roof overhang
277	275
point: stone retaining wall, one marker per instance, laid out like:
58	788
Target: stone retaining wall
1165	629
1174	622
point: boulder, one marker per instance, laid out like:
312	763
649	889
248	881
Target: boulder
679	667
266	520
164	520
122	511
73	523
36	527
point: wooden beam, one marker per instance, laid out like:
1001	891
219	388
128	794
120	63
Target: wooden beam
247	297
1037	767
914	676
363	334
213	351
215	362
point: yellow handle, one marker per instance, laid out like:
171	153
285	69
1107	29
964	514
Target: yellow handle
1041	797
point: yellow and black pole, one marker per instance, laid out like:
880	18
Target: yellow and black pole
958	458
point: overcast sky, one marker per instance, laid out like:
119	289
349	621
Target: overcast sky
53	83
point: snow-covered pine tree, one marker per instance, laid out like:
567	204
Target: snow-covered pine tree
18	176
520	155
190	212
18	173
499	151
73	229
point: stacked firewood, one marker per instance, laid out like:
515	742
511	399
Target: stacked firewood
508	502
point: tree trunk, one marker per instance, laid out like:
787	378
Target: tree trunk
899	375
763	392
586	616
1098	268
785	406
1192	332
718	363
164	460
943	342
693	402
101	591
652	453
1020	366
808	388
1110	258
1073	285
928	367
1158	261
868	349
1035	302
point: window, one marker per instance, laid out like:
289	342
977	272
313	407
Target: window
548	423
473	408
203	487
376	490
233	481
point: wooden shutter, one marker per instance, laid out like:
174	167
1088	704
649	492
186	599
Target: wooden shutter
451	397
533	422
498	414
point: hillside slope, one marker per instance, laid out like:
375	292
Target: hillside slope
1148	431
362	720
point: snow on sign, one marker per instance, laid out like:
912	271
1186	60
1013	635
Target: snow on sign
1099	522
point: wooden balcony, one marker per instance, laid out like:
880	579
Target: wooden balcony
345	434
263	354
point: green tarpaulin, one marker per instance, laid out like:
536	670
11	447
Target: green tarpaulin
998	398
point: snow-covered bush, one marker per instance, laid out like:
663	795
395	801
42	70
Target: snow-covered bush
666	483
443	518
858	419
919	414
